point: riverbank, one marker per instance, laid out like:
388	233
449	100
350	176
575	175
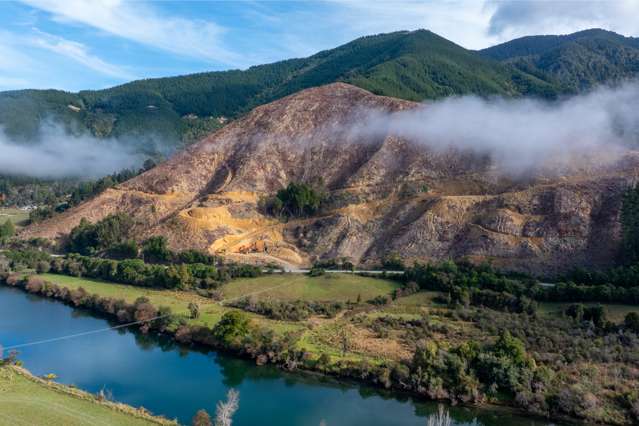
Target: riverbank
367	343
27	399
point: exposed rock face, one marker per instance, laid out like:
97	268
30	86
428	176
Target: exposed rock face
386	195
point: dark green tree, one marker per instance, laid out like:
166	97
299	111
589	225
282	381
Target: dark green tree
631	322
232	326
155	250
299	199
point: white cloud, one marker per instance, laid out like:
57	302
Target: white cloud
478	24
526	17
24	64
522	135
59	154
77	52
141	23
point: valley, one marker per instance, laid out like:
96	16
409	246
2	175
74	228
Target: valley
395	231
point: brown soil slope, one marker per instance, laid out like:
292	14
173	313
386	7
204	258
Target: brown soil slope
386	195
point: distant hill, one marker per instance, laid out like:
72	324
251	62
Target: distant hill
414	66
574	62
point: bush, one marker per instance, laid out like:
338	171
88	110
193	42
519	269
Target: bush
316	272
296	200
596	314
125	250
42	267
380	300
289	311
233	326
87	238
155	250
631	322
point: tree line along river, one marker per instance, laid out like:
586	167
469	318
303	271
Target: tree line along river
176	381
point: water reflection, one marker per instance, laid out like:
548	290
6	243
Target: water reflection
169	379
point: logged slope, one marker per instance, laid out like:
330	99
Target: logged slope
410	65
576	61
207	196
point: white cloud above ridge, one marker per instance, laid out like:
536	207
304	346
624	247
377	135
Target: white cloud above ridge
516	18
77	52
141	23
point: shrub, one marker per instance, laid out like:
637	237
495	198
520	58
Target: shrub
155	250
87	238
231	327
124	250
631	322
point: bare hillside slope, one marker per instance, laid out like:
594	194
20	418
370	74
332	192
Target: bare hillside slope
386	194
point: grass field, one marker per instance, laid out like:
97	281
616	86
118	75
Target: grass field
178	301
282	287
18	217
25	400
329	287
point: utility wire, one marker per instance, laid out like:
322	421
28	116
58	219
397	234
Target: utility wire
85	333
101	330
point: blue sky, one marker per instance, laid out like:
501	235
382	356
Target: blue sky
91	44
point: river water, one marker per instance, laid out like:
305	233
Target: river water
175	382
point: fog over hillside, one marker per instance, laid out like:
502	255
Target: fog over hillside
522	134
60	154
519	134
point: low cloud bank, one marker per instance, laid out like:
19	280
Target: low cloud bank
521	134
58	154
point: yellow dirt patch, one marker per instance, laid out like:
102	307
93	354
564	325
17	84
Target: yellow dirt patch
237	196
215	217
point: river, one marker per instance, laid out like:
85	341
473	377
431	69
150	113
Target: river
175	381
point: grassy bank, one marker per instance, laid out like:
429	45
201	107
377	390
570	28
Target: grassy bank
341	287
28	400
584	371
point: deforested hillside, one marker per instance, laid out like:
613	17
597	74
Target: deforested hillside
382	193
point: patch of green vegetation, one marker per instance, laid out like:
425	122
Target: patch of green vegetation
17	216
438	343
210	311
296	200
25	399
614	312
328	287
178	302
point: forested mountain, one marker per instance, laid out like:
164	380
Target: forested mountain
576	61
414	65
